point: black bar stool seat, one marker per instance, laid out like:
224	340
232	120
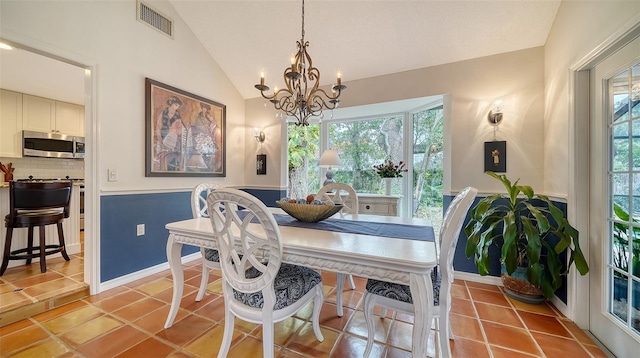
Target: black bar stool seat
36	204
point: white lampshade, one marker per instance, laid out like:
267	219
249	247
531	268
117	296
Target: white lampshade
329	159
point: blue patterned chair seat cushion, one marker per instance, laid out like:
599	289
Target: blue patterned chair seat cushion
290	284
211	255
403	292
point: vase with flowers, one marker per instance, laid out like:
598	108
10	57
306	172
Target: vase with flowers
389	170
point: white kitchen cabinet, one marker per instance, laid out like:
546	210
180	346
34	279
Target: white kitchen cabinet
10	124
377	204
46	115
69	118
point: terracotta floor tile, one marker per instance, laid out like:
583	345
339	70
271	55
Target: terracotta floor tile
14	327
464	348
595	351
186	330
37	279
106	294
305	341
153	287
250	347
543	323
330	318
208	344
483	286
150	347
213	310
499	314
72	319
90	330
462	307
486	296
554	346
510	337
21	338
47	348
465	327
44	289
11	300
113	343
118	301
577	332
459	291
499	352
139	309
541	308
154	321
45	316
352	346
400	335
99	325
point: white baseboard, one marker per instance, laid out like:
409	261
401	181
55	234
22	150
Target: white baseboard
474	277
123	280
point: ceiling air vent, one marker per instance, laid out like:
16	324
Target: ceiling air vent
153	18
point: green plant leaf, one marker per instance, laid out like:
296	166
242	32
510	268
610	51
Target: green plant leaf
534	246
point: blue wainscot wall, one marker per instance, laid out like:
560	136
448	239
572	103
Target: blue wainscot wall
122	252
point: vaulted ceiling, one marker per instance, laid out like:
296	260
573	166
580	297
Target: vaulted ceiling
361	38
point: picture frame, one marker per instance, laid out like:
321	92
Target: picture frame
185	134
261	164
495	156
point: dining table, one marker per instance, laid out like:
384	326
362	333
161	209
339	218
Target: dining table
338	245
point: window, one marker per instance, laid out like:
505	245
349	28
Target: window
363	140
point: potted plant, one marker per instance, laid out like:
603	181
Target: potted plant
534	233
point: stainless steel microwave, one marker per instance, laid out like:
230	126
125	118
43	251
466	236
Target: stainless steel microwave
52	145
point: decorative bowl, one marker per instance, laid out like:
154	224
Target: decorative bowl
308	212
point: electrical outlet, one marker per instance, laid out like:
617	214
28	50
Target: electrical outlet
140	229
112	175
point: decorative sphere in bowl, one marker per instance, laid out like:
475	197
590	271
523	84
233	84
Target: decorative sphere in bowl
308	212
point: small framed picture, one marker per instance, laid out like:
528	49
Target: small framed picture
261	164
495	156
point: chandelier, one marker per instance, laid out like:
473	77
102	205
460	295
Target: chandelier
302	98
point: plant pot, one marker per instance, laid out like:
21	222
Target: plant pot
387	186
518	287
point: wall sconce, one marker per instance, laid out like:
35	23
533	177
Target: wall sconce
258	135
495	114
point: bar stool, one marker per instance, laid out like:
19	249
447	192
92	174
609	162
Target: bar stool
36	204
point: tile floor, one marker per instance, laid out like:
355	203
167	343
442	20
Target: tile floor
128	322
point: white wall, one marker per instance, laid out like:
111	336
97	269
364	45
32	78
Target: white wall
107	35
471	86
579	28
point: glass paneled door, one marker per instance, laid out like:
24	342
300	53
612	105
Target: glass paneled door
615	222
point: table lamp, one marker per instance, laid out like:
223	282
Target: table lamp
329	159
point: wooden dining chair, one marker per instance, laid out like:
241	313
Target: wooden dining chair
344	194
199	209
398	297
257	286
36	204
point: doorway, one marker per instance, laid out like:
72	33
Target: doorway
614	215
42	69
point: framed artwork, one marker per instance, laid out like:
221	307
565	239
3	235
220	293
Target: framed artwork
261	164
495	156
185	133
